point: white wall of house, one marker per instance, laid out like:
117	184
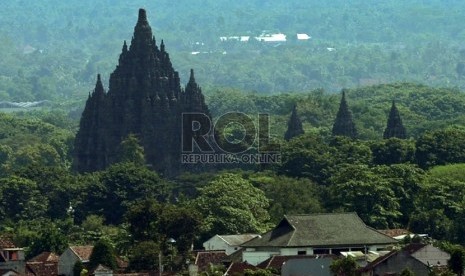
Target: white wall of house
256	257
217	243
66	262
295	251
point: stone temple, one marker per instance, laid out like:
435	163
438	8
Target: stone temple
144	98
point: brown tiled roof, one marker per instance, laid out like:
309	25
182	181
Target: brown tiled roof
42	268
235	257
83	252
329	229
238	268
45	257
204	258
276	262
394	232
6	242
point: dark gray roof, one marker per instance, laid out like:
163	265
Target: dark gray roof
236	240
320	230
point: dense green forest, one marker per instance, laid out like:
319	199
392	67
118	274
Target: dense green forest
416	183
58	54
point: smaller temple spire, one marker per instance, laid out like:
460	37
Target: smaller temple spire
162	46
192	78
125	47
192	87
344	124
99	86
294	125
394	127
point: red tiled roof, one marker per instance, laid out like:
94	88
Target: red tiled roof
238	268
42	268
45	257
204	258
83	252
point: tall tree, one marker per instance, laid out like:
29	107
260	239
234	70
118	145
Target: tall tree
230	204
457	261
394	127
346	266
104	254
294	125
441	147
344	124
144	256
120	185
130	150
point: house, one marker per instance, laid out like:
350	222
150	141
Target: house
307	266
315	234
228	243
279	37
203	259
419	258
303	37
44	264
401	234
235	269
71	255
315	264
11	258
102	270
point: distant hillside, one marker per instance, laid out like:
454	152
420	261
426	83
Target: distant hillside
54	49
422	108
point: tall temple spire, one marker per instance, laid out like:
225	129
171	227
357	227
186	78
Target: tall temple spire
145	99
344	124
294	125
142	19
394	127
142	32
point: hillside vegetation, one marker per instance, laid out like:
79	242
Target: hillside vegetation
58	54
